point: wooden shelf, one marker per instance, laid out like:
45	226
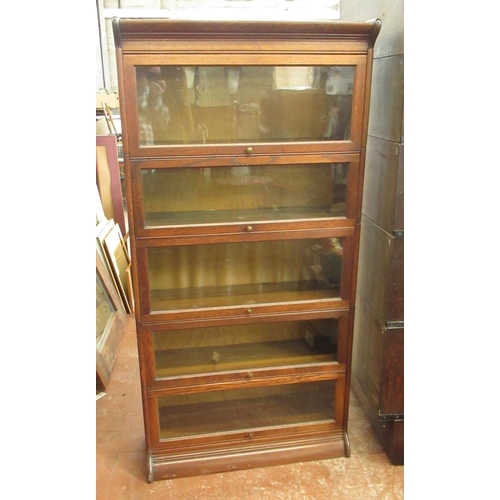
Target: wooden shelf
236	357
158	219
189	298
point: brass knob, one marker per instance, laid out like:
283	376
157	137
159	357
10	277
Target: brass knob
250	435
248	311
249	375
249	150
249	228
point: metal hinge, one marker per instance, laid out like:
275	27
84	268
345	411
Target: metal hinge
392	416
394	325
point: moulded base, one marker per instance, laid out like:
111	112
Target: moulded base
165	465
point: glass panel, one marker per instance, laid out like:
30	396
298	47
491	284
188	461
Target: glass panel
238	194
214	349
194	276
244	409
104	311
214	104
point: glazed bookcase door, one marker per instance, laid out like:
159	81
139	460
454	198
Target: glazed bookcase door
265	413
244	196
247	108
245	276
244	349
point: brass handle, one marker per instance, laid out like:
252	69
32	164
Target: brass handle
249	375
248	311
249	150
250	435
249	228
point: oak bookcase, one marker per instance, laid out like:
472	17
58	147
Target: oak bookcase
244	146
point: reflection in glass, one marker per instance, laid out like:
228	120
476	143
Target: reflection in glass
224	274
245	409
214	104
235	347
238	194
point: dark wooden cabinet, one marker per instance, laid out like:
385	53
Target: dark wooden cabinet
244	146
378	357
378	354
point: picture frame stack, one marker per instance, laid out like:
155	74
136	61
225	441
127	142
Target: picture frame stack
114	293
